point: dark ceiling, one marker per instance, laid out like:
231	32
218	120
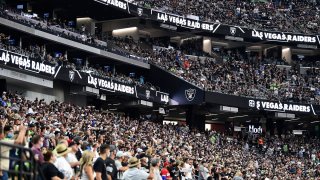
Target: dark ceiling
72	8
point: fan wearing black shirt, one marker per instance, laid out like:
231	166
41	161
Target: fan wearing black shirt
174	170
49	171
111	164
99	166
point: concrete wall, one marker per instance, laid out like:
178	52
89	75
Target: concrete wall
109	26
207	45
32	93
286	53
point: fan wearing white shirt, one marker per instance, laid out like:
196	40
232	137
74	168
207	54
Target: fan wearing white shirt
71	157
61	163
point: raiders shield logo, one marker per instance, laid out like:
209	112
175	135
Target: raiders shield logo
147	94
233	30
190	94
71	75
140	11
252	103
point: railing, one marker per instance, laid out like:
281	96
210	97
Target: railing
21	162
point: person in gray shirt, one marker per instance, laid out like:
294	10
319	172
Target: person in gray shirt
134	173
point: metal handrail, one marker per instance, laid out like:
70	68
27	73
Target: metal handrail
25	156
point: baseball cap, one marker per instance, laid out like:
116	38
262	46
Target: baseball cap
139	150
120	154
127	154
77	139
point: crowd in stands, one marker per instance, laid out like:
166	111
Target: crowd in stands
39	52
60	28
279	15
237	74
243	76
233	72
72	142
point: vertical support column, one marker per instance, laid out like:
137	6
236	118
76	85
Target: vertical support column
195	120
88	23
20	42
280	127
114	69
207	45
270	126
286	54
87	62
3	85
93	27
66	54
44	49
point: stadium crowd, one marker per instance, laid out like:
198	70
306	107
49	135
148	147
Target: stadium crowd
280	15
72	142
60	28
39	52
232	72
237	74
243	76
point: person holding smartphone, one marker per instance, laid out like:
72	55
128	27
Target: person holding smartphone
6	136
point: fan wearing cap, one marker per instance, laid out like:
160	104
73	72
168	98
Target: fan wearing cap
61	163
110	163
71	157
5	150
119	159
78	141
134	173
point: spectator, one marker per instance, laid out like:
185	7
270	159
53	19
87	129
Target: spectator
86	166
155	169
203	171
50	171
164	172
6	136
77	140
100	166
110	163
37	143
61	163
134	173
119	164
238	176
71	157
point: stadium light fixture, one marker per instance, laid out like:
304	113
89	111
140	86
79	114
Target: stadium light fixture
211	114
234	117
292	119
117	32
314	122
